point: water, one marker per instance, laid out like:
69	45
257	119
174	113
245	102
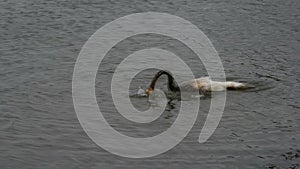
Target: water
258	42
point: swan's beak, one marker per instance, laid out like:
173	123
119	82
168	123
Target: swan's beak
148	91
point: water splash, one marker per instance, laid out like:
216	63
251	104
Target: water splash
141	92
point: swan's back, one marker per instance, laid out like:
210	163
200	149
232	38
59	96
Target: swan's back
206	84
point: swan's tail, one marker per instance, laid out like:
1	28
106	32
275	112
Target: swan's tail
235	85
220	86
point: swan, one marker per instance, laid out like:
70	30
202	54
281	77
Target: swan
203	84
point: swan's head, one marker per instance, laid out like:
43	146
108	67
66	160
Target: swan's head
149	91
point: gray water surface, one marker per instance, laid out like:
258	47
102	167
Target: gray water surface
258	42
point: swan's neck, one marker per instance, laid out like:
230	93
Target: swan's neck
172	85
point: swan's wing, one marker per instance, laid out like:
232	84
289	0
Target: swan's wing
196	84
203	80
206	84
